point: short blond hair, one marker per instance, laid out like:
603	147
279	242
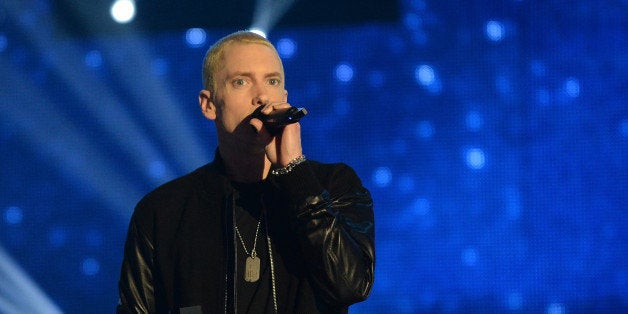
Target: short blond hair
215	54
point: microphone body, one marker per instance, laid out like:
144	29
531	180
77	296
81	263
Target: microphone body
279	118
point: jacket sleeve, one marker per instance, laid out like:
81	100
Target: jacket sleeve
334	220
136	284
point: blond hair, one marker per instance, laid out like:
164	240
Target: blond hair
215	54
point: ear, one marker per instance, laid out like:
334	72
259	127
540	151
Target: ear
207	105
285	95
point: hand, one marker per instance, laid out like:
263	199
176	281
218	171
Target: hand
283	147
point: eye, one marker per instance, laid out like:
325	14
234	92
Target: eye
273	81
239	82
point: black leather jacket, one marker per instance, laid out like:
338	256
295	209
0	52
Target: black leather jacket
177	254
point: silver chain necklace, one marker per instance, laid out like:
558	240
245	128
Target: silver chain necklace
251	272
252	266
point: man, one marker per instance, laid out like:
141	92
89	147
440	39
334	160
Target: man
260	229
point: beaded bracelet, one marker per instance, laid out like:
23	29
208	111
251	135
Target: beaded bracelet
288	167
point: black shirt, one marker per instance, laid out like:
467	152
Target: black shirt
252	297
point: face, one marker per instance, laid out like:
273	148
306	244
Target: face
251	75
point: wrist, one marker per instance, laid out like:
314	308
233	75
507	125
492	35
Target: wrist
293	163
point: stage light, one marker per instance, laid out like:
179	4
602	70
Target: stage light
13	215
495	30
470	257
90	266
571	87
258	31
474	121
286	48
122	11
382	177
425	75
475	158
18	292
195	37
344	72
267	13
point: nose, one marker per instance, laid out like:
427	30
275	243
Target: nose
260	96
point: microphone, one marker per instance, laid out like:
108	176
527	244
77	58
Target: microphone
276	120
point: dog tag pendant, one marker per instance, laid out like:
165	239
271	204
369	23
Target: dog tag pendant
251	271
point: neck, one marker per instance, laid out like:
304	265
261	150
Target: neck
244	166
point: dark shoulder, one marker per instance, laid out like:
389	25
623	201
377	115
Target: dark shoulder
166	201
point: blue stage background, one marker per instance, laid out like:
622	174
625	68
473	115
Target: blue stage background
493	136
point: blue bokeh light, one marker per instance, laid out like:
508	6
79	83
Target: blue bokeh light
90	266
571	87
286	47
475	158
382	177
474	121
344	72
195	37
495	30
425	129
13	215
493	143
93	59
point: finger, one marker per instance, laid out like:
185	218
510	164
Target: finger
274	106
256	124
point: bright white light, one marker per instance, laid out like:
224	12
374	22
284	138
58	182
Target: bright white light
195	37
382	176
258	31
475	158
344	72
494	30
123	11
286	48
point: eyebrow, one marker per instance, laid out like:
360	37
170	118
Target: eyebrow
250	74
